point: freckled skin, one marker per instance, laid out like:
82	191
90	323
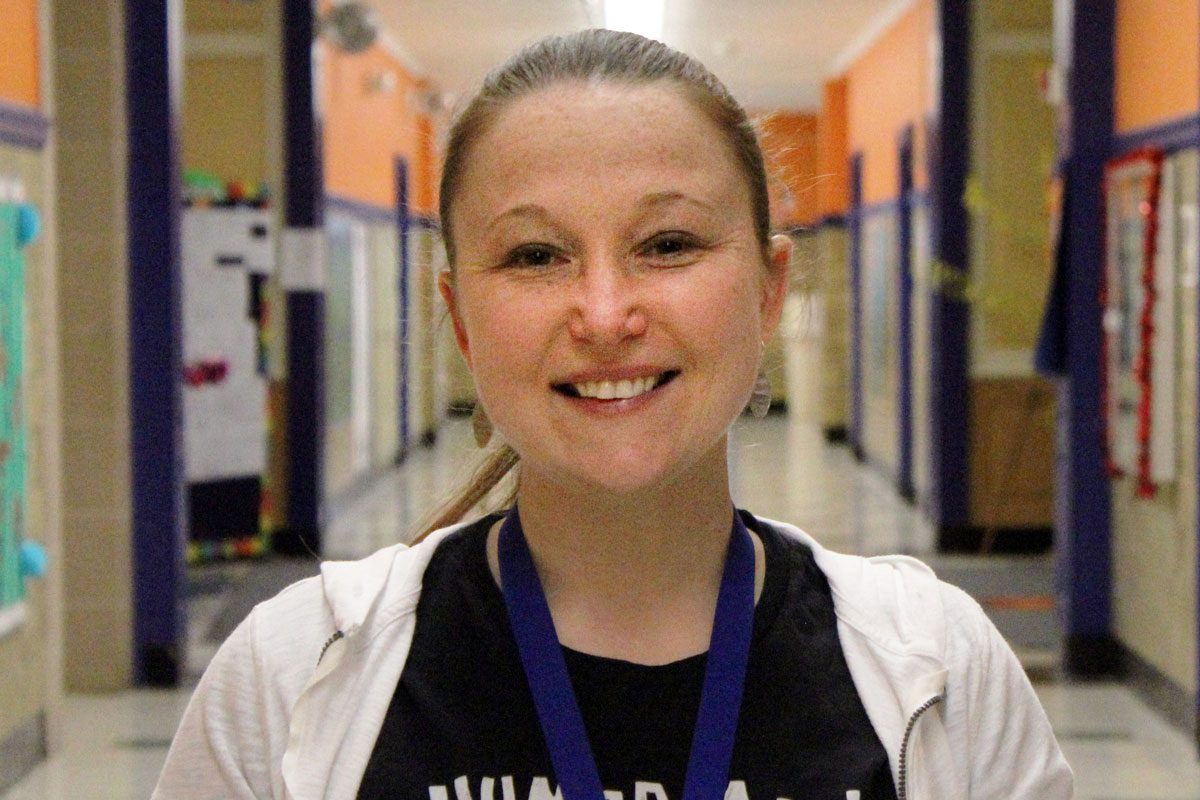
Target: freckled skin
634	244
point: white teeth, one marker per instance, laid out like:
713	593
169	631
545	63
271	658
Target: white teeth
616	390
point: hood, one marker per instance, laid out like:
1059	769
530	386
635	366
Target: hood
893	601
387	581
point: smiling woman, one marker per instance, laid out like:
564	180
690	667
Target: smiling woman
627	631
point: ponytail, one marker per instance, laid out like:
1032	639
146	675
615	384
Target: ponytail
491	471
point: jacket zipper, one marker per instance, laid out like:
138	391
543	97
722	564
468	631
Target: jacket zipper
908	729
328	642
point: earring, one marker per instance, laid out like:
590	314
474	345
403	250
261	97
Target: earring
481	425
760	397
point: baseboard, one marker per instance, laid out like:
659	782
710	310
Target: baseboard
836	434
296	543
1009	541
160	666
1159	692
22	750
1091	657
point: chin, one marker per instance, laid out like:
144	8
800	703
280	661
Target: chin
629	474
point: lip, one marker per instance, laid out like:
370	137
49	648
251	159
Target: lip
623	373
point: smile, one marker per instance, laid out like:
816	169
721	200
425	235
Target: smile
624	389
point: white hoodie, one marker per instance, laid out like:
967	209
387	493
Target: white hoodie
293	702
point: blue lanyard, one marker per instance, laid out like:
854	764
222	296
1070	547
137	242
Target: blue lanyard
557	709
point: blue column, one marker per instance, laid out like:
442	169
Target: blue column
155	341
404	300
949	153
904	471
854	234
1082	516
302	270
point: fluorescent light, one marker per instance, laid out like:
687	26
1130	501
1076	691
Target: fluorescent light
639	16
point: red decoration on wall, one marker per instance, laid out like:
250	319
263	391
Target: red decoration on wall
1148	209
206	371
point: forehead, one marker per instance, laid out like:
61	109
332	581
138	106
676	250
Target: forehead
558	142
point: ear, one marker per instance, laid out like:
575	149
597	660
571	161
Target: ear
447	290
779	263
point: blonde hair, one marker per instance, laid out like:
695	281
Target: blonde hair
591	56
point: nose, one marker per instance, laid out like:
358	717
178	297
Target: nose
606	307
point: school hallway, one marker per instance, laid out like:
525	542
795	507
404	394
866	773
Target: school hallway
1119	748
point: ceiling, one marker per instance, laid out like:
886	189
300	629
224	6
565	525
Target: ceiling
773	54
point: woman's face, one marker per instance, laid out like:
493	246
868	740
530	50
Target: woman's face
610	295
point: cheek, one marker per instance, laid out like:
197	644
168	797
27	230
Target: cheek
504	334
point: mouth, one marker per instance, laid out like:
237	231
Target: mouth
623	389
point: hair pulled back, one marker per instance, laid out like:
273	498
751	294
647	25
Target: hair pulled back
594	56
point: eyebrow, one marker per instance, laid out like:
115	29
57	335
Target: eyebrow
525	210
663	198
647	202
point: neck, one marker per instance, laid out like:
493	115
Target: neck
631	575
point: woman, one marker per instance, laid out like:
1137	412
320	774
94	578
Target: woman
612	284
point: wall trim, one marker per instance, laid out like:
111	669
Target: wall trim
378	215
21	126
361	211
425	222
22	750
1176	134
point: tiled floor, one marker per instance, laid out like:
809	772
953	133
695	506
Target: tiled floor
114	746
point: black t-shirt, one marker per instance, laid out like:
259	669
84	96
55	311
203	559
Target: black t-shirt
462	725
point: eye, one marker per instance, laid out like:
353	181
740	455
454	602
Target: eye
671	246
532	256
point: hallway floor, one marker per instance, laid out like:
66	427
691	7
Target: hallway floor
113	746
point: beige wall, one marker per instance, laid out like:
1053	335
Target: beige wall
88	47
879	327
921	353
385	332
832	297
1154	540
428	258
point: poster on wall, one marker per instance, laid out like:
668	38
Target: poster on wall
14	234
1138	299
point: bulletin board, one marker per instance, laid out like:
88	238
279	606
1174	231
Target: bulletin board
12	424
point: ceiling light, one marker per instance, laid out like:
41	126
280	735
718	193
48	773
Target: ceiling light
639	16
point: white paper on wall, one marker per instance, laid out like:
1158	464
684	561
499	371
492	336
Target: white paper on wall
1163	368
224	422
361	352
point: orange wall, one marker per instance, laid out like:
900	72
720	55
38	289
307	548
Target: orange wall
1157	69
888	88
833	174
789	142
19	69
366	130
